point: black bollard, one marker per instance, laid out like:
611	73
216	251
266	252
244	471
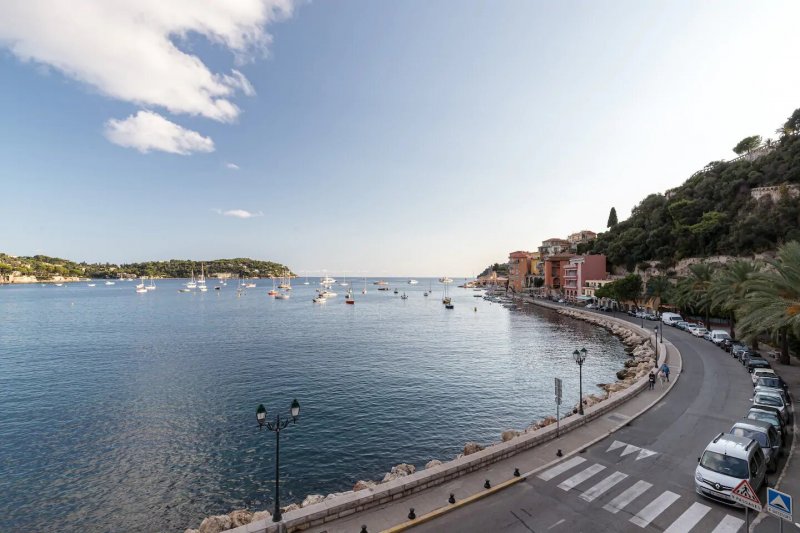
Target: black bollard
452	498
516	472
487	485
363	529
558	453
411	515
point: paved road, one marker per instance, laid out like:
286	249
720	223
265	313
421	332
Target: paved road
639	478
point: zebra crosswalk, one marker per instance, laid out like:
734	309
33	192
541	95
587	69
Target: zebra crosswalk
595	481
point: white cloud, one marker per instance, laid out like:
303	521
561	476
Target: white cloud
146	131
238	213
129	50
232	166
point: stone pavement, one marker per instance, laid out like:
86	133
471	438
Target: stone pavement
433	501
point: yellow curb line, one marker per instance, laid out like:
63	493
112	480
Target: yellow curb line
444	510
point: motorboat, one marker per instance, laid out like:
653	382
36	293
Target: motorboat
326	293
395	291
59	284
90	284
448	306
445	280
250	285
383	288
412	282
281	296
425	293
380	282
349	300
110	283
141	290
185	290
319	299
326	280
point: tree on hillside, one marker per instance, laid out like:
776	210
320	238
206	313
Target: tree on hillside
612	218
627	289
792	125
748	144
658	288
728	288
694	292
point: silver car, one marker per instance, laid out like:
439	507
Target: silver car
765	435
726	461
774	400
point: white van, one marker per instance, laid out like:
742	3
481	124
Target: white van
717	336
670	318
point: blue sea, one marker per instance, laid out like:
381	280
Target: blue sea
136	412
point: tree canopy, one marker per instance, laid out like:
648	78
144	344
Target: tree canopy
612	218
748	144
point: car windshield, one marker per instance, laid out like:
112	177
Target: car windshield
768	382
761	415
724	464
757	436
768	399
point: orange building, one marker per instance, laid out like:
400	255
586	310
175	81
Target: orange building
553	271
522	267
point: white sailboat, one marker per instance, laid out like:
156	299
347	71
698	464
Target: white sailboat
191	283
364	290
344	282
152	285
201	281
141	283
109	283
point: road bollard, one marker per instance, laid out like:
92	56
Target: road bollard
411	515
558	453
487	485
452	498
363	529
516	472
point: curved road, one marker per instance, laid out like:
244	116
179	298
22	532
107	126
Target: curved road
640	478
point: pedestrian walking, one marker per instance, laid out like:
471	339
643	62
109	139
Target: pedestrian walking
665	371
652	379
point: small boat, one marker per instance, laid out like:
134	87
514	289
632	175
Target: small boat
425	293
217	287
140	285
445	280
326	293
412	282
349	299
250	285
476	296
383	288
326	281
109	283
141	290
404	297
59	284
320	299
191	283
380	282
91	284
448	306
364	290
395	291
281	296
184	290
152	285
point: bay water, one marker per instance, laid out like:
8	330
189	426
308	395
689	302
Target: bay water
136	412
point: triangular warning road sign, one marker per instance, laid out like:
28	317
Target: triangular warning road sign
744	490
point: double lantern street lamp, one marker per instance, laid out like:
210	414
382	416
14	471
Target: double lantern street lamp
277	426
580	357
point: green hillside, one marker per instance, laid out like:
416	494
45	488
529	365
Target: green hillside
44	267
713	211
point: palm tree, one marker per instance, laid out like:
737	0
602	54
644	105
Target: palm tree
694	291
772	300
728	288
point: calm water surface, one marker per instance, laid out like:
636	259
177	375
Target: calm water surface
128	412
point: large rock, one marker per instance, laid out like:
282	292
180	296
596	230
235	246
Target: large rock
508	434
191	531
215	524
401	470
472	447
432	463
311	499
363	484
240	517
261	515
291	507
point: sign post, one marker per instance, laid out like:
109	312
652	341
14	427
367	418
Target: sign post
558	405
780	505
744	494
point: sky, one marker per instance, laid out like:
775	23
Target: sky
410	138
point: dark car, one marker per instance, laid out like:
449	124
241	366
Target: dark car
737	350
773	383
745	356
726	344
757	362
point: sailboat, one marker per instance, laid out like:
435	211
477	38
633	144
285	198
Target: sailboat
191	283
445	298
344	283
141	283
364	290
152	285
273	292
284	284
201	279
412	282
306	281
142	289
404	297
430	289
349	299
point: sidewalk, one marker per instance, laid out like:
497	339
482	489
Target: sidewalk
434	501
789	480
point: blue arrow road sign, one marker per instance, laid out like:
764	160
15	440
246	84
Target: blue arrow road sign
779	504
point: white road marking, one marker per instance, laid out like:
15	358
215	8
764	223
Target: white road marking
560	468
557	523
630	448
620	502
688	519
581	476
654	508
729	524
644	454
614	445
603	487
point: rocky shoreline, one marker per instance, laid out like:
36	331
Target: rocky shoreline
641	361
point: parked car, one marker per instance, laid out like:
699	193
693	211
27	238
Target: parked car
762	372
765	388
737	350
718	336
765	435
707	335
770	399
699	332
691	328
727	345
726	461
747	355
670	318
756	362
771	381
769	415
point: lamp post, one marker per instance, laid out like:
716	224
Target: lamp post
277	426
580	357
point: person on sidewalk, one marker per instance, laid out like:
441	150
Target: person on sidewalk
665	371
652	378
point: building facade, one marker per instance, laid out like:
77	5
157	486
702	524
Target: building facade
578	270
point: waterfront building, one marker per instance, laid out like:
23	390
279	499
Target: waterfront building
577	270
553	272
554	246
523	267
581	237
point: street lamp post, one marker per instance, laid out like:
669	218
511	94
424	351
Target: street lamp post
580	357
277	426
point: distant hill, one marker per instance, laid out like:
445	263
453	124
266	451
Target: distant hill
44	267
720	210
